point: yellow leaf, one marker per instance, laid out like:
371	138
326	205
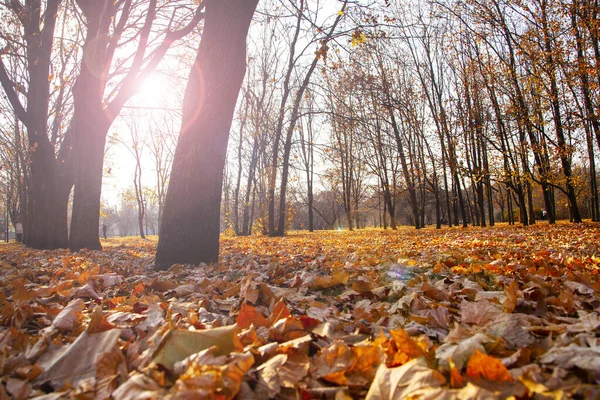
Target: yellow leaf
178	344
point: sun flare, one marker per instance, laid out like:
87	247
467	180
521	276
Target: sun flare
154	92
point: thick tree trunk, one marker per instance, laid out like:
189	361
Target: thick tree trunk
190	227
90	127
89	145
48	197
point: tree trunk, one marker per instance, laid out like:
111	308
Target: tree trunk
85	225
48	197
190	227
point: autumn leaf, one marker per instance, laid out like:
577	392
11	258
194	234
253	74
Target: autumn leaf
163	286
69	316
482	366
399	382
280	311
456	378
178	344
338	278
214	378
249	315
20	389
99	322
78	361
348	365
479	313
138	289
511	292
358	38
282	371
22	295
403	348
136	386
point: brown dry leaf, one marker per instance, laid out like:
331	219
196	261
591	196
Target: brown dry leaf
565	299
122	319
77	362
480	313
163	286
295	368
266	296
438	317
70	316
282	370
270	383
586	358
398	383
434	293
587	323
580	288
460	353
205	357
109	280
20	389
138	386
88	291
109	367
362	284
216	381
513	329
22	295
287	329
482	366
98	321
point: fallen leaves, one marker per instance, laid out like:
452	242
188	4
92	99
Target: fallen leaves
343	364
178	344
482	366
452	313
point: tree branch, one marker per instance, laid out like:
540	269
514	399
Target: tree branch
12	95
134	79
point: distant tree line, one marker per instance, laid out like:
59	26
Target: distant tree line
444	113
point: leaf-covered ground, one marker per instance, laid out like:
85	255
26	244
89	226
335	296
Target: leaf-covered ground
451	313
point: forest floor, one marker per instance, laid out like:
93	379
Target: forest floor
451	313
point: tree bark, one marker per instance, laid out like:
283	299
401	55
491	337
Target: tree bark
190	226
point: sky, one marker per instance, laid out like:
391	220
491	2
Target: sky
157	102
162	90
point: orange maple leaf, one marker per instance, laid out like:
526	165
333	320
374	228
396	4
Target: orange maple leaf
403	348
482	366
249	315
